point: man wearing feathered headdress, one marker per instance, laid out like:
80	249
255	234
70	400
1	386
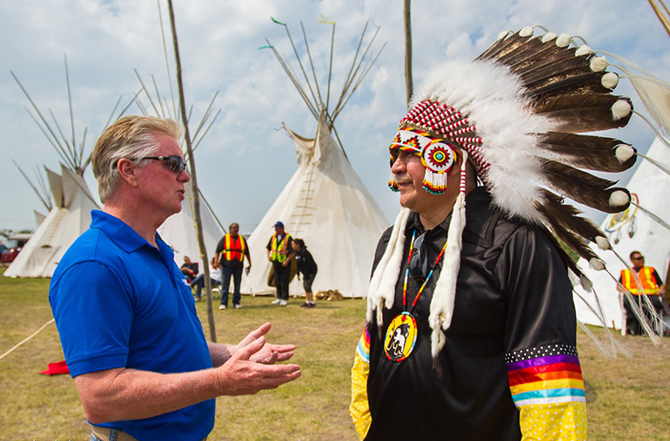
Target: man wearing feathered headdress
483	295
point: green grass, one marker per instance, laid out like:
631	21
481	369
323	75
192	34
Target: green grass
627	399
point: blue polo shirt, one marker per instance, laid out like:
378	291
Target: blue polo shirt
121	303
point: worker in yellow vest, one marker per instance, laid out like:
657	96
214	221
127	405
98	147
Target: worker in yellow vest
280	252
230	253
648	283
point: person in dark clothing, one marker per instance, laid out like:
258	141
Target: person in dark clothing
229	255
280	252
308	268
189	269
199	281
470	331
646	282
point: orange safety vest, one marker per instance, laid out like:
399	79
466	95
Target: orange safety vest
278	250
233	248
647	280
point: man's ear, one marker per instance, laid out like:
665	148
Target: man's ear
127	171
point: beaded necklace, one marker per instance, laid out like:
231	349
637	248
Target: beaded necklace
402	331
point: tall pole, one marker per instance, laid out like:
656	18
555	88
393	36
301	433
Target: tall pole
194	180
408	50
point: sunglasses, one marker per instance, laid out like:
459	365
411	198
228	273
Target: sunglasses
172	162
418	263
638	258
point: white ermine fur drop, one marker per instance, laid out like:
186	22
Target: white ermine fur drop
382	284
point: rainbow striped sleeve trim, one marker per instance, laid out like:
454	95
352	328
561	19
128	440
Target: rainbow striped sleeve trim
545	375
363	348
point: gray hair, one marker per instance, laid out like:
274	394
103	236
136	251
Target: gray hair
130	137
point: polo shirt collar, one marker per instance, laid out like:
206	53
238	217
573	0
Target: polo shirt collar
120	232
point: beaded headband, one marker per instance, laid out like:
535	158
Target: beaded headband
436	155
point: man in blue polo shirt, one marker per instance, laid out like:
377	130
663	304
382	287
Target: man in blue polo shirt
125	314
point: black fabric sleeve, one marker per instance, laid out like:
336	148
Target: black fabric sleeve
220	245
534	279
659	281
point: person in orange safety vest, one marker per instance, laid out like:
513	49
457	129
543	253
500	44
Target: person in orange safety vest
647	282
230	253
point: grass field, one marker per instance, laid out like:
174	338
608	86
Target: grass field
627	399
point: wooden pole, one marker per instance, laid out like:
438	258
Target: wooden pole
194	180
662	18
408	51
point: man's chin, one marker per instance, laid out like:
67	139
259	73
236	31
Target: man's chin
406	202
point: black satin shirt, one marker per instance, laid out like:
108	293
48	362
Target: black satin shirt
512	293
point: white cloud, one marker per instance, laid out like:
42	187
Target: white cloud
219	41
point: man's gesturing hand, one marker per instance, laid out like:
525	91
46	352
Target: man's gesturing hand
269	353
249	370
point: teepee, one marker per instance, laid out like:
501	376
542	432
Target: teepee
632	230
179	232
644	225
70	212
69	217
325	203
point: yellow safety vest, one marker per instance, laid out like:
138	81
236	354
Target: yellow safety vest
233	248
278	250
647	280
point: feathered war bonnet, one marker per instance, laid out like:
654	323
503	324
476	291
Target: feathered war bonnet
517	111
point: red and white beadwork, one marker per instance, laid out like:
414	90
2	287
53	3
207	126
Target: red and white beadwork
450	125
436	155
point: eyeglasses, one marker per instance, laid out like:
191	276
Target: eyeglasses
173	162
418	263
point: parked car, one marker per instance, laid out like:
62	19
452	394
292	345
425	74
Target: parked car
9	254
12	247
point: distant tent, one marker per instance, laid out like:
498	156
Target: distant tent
69	217
644	225
39	217
70	212
178	230
629	231
325	203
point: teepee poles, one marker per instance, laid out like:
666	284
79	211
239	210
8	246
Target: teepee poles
356	74
662	15
165	56
302	68
48	131
360	66
69	101
194	178
311	64
66	147
40	189
330	65
294	80
409	82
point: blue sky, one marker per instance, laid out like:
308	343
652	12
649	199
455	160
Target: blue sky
244	161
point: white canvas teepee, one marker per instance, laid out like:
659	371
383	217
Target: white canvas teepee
325	203
632	230
179	232
70	211
69	217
